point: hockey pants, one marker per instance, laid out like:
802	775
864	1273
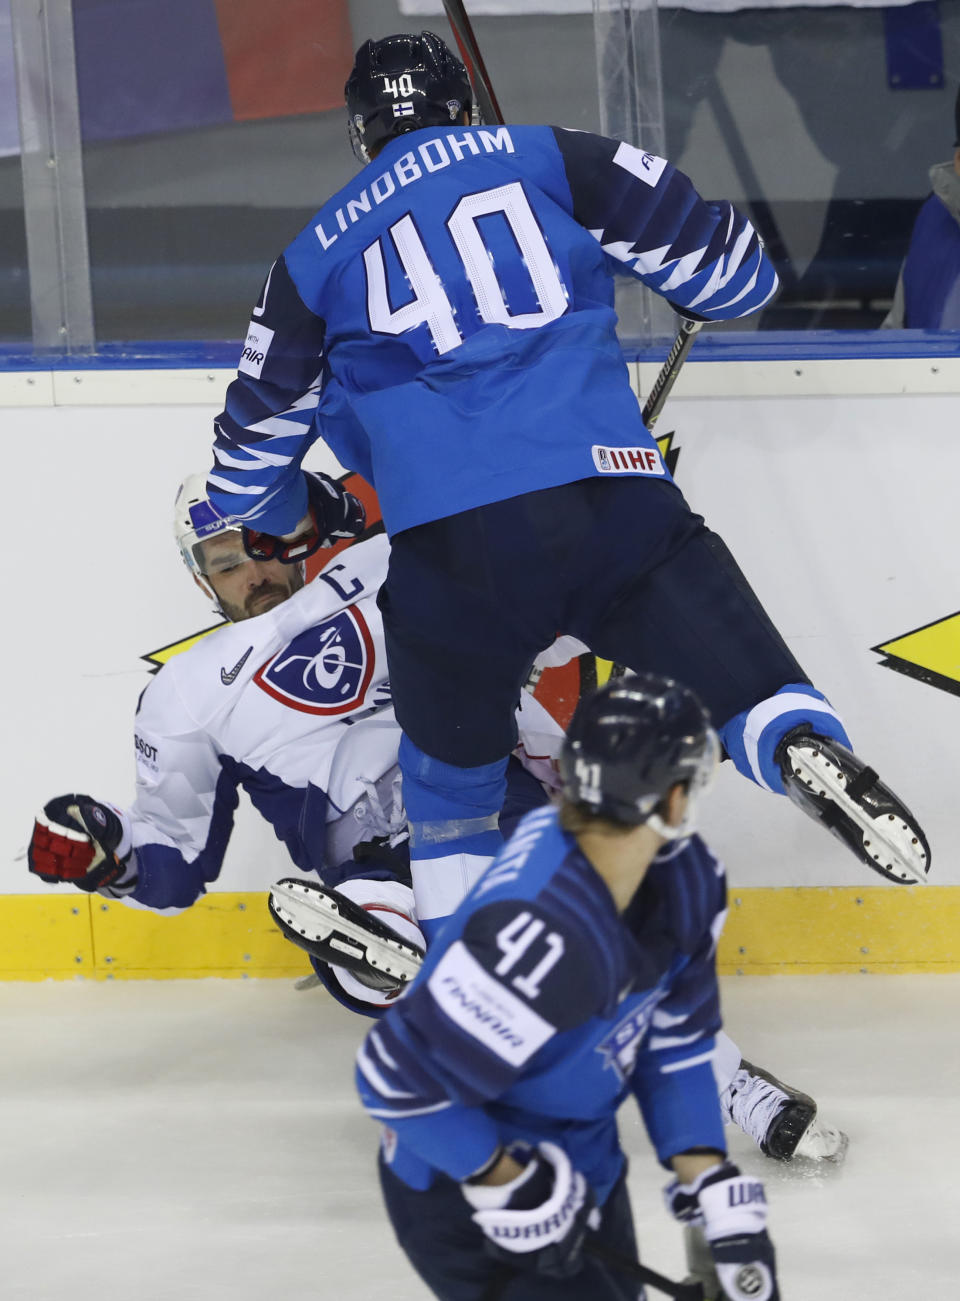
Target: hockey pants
625	566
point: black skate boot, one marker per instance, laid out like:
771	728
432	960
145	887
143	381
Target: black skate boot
336	930
836	788
781	1120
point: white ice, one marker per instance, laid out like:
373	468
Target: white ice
201	1141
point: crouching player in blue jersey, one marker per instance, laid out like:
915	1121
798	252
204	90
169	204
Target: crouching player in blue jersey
580	969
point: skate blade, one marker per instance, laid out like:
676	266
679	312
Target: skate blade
888	840
317	918
823	1143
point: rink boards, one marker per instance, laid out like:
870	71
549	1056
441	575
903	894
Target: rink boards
833	483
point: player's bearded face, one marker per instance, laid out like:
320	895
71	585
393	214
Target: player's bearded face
246	587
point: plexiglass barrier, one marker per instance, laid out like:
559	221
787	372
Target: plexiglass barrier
189	140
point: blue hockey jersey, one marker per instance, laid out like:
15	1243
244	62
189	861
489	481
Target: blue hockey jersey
445	322
540	1008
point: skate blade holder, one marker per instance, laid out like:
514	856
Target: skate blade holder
309	916
888	839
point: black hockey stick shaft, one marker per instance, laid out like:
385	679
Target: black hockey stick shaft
643	1274
613	1260
459	21
669	372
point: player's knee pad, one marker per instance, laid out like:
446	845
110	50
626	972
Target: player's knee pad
751	737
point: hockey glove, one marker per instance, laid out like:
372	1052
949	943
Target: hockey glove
332	514
77	839
539	1220
688	314
731	1209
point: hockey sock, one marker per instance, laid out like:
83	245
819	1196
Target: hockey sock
751	738
453	815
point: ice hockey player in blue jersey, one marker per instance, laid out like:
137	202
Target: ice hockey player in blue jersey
445	323
580	970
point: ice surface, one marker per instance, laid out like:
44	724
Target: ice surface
200	1141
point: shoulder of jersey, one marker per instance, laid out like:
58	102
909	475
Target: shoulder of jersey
538	869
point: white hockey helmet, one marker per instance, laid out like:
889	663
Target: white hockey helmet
195	520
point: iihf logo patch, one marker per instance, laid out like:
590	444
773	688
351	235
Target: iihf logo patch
325	670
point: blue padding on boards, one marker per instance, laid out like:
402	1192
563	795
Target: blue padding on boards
914	46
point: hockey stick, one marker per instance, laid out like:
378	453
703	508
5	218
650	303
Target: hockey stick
669	371
613	1260
462	29
643	1274
470	53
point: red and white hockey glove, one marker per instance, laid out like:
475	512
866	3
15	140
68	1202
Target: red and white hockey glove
731	1209
79	840
539	1220
332	514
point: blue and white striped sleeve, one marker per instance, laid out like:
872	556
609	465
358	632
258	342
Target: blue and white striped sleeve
704	257
267	423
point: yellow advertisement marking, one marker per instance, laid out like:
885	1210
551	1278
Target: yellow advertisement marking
787	929
930	654
160	657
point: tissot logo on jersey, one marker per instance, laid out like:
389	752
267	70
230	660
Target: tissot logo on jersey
146	752
326	669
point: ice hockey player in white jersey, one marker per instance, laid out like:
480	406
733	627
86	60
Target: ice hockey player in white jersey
290	701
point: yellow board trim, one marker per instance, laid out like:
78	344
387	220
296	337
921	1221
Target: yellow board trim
768	931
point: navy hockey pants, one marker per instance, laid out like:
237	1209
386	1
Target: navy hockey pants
447	1249
625	566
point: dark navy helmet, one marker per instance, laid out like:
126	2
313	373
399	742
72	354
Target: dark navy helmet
402	83
630	743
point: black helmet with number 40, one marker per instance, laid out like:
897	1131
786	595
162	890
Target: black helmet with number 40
402	83
630	743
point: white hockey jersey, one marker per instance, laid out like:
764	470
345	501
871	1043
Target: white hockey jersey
293	706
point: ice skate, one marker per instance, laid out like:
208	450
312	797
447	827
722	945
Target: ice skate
781	1120
836	788
334	929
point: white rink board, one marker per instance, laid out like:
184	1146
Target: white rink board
841	510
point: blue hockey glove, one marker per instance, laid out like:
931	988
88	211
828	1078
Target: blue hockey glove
332	514
731	1209
77	839
539	1220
